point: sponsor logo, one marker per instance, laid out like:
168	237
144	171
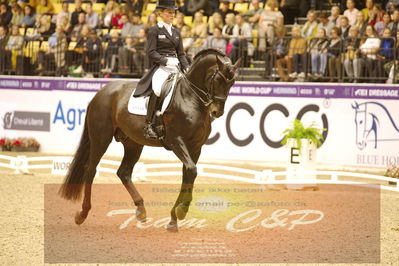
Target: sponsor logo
26	120
370	117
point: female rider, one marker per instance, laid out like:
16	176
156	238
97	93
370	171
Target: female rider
166	56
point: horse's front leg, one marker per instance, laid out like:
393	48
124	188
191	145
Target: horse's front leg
189	159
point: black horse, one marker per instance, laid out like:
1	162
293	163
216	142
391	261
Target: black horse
199	98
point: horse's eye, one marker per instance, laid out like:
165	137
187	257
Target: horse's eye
361	122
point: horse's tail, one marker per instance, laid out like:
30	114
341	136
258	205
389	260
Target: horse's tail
75	179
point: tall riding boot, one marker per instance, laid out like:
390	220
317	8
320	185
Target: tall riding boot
149	131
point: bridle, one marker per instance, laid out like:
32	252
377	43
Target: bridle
207	97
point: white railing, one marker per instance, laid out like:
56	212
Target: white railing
22	164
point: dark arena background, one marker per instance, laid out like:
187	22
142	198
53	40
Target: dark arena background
330	64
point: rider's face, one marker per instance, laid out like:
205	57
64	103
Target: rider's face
167	15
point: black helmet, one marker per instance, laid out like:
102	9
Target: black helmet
166	4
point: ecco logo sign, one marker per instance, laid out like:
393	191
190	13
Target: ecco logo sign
273	107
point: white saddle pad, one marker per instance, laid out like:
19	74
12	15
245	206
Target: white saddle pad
138	105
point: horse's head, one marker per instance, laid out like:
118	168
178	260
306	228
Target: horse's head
360	122
221	79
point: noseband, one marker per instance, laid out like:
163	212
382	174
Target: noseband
208	97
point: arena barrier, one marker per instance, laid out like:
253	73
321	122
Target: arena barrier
59	166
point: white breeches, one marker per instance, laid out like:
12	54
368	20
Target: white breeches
159	77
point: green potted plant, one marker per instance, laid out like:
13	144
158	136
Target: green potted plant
297	132
302	143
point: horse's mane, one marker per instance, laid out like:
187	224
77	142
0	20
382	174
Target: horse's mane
208	51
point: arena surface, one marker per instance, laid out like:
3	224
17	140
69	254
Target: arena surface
22	223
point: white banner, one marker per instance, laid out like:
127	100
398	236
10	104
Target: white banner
360	132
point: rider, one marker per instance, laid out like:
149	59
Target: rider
166	56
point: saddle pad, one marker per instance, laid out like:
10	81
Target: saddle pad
138	105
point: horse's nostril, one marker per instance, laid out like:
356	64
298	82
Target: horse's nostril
214	113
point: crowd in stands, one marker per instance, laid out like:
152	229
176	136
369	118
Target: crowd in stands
331	40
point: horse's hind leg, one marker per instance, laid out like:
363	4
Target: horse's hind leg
130	158
100	134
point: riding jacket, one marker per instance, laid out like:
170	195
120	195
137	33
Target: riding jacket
160	46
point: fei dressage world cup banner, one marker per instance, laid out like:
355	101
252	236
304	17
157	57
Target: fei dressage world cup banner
361	120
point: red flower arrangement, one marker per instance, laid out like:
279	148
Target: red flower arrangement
19	144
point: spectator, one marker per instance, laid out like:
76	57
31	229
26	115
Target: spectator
14	46
44	29
92	53
369	50
136	6
269	19
386	53
139	61
351	12
225	9
353	64
29	18
116	19
91	16
3	43
216	21
45	8
187	41
392	66
393	25
107	14
193	7
216	41
65	26
310	28
381	25
318	53
253	14
152	20
368	9
77	29
199	31
111	53
391	6
344	27
325	23
131	28
242	34
335	16
334	54
57	46
360	23
296	58
375	15
179	21
228	27
280	53
81	46
5	14
125	55
17	15
64	13
290	10
75	14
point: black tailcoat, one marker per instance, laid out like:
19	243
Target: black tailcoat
160	45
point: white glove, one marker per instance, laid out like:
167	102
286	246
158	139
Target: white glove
172	62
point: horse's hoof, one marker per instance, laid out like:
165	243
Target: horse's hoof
180	212
172	227
141	215
79	219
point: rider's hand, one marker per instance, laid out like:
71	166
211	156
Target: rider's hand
172	62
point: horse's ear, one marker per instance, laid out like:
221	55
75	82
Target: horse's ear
237	64
355	106
219	62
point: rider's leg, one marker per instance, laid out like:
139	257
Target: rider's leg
149	131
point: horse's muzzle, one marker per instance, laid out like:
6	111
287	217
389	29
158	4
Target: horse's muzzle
217	114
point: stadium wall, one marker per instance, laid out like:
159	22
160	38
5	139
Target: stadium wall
361	121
